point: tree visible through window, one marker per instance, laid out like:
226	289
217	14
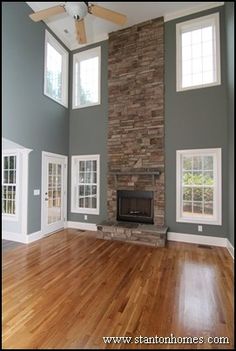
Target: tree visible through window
199	186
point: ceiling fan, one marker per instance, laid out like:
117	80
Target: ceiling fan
78	10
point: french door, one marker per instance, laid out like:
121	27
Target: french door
54	192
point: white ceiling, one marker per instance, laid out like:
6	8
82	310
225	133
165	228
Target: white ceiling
97	29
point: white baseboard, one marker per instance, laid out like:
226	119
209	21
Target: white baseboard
230	248
197	239
18	237
34	236
82	225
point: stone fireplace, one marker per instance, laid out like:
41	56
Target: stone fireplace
136	133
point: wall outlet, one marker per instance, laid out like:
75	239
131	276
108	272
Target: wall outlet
36	192
199	228
85	217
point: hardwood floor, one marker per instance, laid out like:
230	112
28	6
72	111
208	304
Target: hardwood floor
9	245
70	291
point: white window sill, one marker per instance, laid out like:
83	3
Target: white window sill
179	89
88	105
59	102
86	211
199	221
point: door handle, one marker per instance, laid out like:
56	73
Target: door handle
46	199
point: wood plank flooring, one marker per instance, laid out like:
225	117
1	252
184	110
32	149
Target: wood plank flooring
70	290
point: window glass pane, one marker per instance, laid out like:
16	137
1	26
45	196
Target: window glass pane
208	208
94	166
81	190
89	166
6	162
82	177
187	194
187	178
208	163
208	178
81	202
186	39
197	162
54	73
82	166
187	163
5	179
86	204
187	207
208	194
88	81
207	34
197	178
197	194
196	36
12	177
94	190
197	207
94	177
12	162
88	190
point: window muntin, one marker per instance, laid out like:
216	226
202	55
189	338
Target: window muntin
85	184
86	78
199	186
56	70
9	185
198	53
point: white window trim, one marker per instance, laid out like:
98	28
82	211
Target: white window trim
74	160
49	38
217	219
81	56
213	18
8	216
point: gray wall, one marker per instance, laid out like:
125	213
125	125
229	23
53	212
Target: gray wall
229	17
194	119
88	136
29	117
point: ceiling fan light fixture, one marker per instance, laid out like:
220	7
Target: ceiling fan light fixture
77	10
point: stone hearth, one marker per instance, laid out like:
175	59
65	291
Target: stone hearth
135	233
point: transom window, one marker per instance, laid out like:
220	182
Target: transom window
199	186
198	52
86	78
85	184
9	185
56	70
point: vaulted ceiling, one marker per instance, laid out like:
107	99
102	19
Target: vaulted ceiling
98	29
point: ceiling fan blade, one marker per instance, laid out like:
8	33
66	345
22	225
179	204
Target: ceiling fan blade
80	30
106	14
51	11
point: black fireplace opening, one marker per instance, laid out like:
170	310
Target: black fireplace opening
135	206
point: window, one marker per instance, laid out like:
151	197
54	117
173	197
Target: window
86	78
198	53
85	184
55	70
199	186
9	185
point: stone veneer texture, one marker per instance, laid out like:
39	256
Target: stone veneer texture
136	112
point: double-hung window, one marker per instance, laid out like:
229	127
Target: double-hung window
9	185
87	78
85	184
199	186
198	53
55	70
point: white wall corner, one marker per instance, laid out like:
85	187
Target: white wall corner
82	226
34	236
230	248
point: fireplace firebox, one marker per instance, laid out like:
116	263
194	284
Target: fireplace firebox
135	206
